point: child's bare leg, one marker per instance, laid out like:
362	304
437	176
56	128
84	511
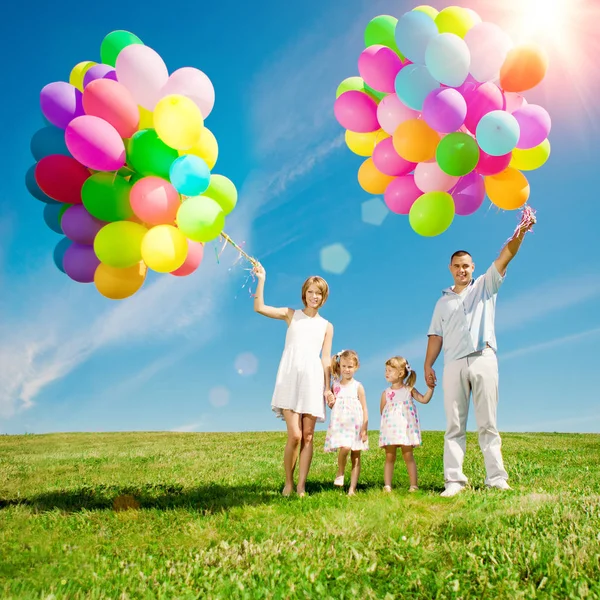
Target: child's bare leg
388	470
355	458
294	431
342	459
411	465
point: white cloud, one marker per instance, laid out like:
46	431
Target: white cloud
190	427
555	343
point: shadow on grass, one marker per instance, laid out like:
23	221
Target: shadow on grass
205	498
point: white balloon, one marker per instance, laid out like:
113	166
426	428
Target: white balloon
488	45
447	59
194	84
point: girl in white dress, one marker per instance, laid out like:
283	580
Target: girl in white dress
302	384
347	432
399	419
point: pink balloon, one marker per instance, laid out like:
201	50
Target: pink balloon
468	195
387	160
154	201
194	84
143	72
444	110
192	261
534	123
492	165
513	102
95	143
356	112
430	178
486	98
401	194
468	87
112	102
391	112
378	66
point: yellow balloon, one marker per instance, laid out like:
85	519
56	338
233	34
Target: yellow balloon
428	10
508	190
529	160
78	72
117	284
178	121
363	144
164	248
206	148
456	20
371	179
146	118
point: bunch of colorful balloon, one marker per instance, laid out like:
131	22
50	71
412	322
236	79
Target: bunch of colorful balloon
124	166
438	112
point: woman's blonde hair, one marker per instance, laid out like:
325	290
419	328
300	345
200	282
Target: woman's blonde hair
320	283
407	375
336	370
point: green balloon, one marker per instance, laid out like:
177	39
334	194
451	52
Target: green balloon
149	155
106	197
357	84
457	154
432	213
119	244
382	31
113	43
223	192
201	219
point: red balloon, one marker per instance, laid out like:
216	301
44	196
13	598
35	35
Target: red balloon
492	165
192	261
61	178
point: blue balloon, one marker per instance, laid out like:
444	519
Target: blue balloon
413	84
48	140
34	189
189	175
498	133
52	217
413	32
59	252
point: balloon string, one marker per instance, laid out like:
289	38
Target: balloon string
252	261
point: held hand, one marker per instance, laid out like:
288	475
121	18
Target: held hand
260	272
430	377
329	398
364	436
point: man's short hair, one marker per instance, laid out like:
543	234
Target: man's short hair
460	253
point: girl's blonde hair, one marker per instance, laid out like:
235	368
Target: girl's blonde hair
336	370
320	283
407	375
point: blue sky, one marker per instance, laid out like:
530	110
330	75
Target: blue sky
166	359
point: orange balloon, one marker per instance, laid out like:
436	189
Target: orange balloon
415	141
524	67
371	179
508	190
117	284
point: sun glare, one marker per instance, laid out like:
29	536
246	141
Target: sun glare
545	18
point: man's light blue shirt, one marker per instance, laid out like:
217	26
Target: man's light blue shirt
465	321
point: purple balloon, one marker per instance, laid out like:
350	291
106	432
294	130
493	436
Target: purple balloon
534	124
468	194
80	263
445	110
61	102
79	226
99	72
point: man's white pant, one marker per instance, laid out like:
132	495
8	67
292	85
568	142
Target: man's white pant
476	374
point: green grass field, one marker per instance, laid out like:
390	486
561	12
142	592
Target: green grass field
168	515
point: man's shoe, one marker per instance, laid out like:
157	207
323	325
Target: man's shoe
452	489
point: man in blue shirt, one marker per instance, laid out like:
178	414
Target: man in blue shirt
463	326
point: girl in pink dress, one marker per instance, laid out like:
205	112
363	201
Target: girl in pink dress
347	432
400	420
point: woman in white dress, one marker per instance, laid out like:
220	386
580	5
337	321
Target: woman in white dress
302	385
